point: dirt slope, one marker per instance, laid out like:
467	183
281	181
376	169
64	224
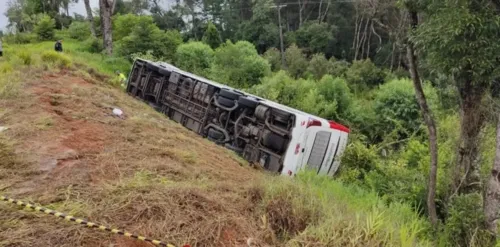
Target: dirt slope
65	150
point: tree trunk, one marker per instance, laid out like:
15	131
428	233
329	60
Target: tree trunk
90	17
107	8
429	121
467	178
492	196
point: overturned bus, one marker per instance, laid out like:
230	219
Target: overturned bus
279	138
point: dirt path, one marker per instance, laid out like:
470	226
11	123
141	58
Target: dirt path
141	172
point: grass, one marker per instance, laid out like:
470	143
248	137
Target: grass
318	211
151	176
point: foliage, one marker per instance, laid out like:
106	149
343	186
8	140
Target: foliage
454	38
336	90
315	37
211	36
45	28
318	66
364	74
296	62
56	58
124	25
337	67
273	56
93	45
20	38
79	30
147	36
239	65
464	221
195	57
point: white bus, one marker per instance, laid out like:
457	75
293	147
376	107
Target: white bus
279	138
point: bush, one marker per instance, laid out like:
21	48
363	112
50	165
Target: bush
273	56
56	58
195	57
25	56
20	38
239	65
357	161
337	68
397	107
336	90
211	36
464	222
318	66
315	37
93	45
45	28
147	36
79	30
295	61
364	74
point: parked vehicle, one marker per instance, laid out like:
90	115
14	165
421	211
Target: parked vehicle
279	138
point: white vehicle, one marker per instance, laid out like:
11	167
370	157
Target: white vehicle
279	138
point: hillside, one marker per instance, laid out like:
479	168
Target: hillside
64	149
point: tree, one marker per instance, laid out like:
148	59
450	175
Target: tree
239	65
296	61
90	17
428	119
492	195
195	57
211	36
314	37
45	28
107	8
273	56
318	66
454	38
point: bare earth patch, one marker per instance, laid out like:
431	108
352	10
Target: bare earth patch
143	173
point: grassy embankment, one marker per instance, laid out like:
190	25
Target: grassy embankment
149	175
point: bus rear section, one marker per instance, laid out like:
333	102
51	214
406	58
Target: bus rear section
319	145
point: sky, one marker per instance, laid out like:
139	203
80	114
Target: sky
74	8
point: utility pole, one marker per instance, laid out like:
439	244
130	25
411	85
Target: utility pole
281	34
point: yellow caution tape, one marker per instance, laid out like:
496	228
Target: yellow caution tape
84	222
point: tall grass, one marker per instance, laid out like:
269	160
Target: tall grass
319	211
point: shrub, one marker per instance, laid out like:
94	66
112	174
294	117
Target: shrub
56	58
239	65
464	222
25	56
336	90
211	36
295	61
318	66
79	30
147	36
314	36
5	68
357	161
45	28
397	107
195	57
364	74
93	45
20	38
273	56
337	68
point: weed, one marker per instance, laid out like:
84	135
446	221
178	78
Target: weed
25	57
5	68
56	58
44	122
10	85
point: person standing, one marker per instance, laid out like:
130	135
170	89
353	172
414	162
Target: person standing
58	47
1	49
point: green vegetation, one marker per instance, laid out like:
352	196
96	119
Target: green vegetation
345	61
